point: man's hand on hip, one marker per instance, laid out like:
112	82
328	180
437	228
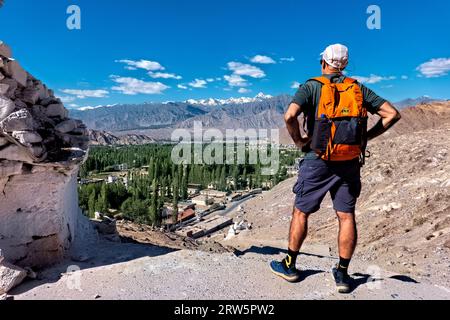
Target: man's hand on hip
302	142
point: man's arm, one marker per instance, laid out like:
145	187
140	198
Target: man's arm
389	116
293	125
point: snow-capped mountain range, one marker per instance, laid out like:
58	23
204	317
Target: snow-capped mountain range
211	102
245	112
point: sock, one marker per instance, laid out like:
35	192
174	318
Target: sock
291	259
343	265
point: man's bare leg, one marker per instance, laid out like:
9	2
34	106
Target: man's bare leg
298	230
348	235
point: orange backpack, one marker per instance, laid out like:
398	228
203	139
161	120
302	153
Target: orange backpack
341	121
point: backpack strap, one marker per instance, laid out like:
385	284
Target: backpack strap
350	81
322	80
325	80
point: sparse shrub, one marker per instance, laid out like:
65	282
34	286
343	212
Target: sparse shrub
418	221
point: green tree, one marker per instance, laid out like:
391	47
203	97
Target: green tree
92	203
184	182
103	199
235	174
223	178
154	204
151	170
175	202
135	210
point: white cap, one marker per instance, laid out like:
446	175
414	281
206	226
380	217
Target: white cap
336	56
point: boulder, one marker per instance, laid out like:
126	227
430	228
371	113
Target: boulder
5	51
27	137
10	168
42	91
11	89
10	276
7	106
3	88
14	153
48	101
37	150
30	95
66	126
56	110
15	71
77	141
3	141
20	104
18	121
105	226
80	131
38	113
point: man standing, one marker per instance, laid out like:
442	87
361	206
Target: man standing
335	110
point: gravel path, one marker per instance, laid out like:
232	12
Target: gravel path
133	271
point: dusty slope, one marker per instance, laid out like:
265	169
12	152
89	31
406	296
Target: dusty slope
130	271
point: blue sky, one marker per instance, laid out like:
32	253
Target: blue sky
167	50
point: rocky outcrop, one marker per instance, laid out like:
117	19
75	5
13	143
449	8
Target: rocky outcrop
10	276
41	150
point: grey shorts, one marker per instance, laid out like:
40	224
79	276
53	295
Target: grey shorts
318	177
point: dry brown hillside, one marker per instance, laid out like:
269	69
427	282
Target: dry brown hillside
424	116
404	210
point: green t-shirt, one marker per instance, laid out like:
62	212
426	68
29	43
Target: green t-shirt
308	96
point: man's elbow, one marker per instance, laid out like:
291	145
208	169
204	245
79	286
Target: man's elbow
292	113
395	117
392	114
289	118
398	116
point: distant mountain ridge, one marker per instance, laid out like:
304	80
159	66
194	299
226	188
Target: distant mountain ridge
258	114
150	122
262	111
140	116
410	102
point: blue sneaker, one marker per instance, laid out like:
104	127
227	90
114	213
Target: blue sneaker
280	269
343	281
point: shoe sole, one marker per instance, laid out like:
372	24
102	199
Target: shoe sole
340	288
285	277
